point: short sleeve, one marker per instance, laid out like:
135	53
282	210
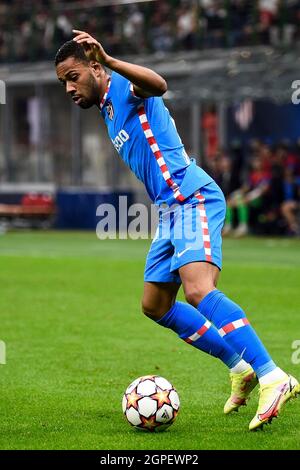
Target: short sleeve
123	88
132	97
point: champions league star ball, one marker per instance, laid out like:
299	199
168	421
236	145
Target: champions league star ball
150	403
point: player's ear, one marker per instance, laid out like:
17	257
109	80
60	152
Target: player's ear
97	67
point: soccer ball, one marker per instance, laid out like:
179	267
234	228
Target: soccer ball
150	403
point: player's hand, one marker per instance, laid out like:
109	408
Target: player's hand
92	48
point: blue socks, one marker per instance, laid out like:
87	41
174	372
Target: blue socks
193	327
234	327
231	340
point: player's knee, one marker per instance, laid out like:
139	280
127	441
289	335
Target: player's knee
153	310
150	311
194	293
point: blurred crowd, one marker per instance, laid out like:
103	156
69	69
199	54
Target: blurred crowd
262	187
261	182
31	31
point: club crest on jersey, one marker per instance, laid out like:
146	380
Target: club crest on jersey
110	110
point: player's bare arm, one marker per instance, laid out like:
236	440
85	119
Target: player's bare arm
145	81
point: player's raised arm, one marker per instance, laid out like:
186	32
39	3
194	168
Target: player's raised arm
145	81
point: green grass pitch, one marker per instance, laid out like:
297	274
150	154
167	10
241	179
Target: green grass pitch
75	338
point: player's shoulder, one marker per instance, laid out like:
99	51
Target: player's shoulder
123	90
119	88
118	81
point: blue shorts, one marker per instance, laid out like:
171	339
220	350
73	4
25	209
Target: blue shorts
187	232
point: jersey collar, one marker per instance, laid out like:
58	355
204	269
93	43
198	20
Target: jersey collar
105	94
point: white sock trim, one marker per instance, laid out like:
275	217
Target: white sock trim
240	367
273	376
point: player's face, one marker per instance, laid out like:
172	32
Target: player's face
80	81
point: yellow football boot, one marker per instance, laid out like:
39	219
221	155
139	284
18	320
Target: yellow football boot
241	386
272	397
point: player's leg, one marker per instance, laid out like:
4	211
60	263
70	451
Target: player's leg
159	298
161	286
191	243
229	216
289	212
243	219
159	303
199	282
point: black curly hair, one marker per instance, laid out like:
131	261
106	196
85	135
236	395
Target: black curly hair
70	49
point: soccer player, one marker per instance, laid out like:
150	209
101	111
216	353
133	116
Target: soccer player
187	247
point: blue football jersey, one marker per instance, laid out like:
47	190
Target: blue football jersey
145	136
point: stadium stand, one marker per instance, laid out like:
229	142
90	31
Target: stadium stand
229	63
155	26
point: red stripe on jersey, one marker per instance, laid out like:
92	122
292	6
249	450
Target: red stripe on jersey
151	140
163	166
105	94
145	126
205	231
